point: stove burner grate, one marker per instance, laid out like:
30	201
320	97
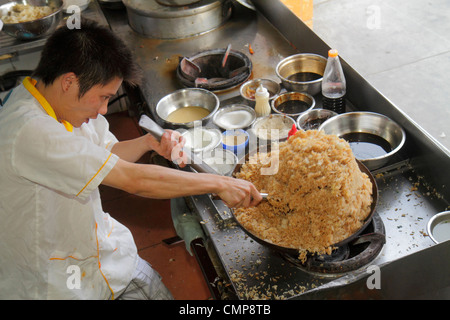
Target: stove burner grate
348	257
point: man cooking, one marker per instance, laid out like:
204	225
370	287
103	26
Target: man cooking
56	149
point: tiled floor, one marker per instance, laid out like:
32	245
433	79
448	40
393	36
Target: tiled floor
150	222
401	47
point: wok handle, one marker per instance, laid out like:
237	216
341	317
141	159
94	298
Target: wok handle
192	160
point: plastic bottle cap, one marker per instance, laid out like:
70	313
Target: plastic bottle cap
332	53
261	89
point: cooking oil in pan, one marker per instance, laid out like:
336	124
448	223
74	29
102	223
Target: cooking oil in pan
367	145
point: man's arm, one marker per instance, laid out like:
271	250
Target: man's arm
161	182
133	150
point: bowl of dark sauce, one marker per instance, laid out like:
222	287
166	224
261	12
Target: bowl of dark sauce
312	119
293	104
373	138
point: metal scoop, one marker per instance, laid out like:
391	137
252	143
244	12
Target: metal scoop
192	160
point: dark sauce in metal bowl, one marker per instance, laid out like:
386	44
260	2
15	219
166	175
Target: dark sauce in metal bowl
367	145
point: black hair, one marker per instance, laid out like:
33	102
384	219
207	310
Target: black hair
93	52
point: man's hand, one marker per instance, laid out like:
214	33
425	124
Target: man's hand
170	147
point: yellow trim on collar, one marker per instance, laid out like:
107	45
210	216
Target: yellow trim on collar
30	84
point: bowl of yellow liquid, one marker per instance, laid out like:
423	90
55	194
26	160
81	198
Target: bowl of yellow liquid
185	108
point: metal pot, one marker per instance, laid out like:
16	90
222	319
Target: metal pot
157	19
294	251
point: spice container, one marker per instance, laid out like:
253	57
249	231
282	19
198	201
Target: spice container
262	106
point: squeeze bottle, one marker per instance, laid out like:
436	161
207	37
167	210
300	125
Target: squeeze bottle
262	107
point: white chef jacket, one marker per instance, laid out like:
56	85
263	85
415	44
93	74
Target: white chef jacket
55	240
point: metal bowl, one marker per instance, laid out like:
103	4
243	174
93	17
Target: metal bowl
189	97
248	89
312	119
379	128
235	116
274	127
293	104
201	139
438	227
302	72
33	29
221	160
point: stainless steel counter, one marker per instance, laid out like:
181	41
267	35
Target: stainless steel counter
412	189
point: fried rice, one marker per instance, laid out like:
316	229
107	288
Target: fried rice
318	196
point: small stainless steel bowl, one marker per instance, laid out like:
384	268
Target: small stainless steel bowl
368	123
312	119
302	72
201	139
36	28
235	116
189	97
274	127
438	227
248	89
293	104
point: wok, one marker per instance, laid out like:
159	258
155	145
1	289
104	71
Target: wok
197	164
294	251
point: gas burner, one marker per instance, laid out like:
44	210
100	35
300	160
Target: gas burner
12	79
204	70
349	257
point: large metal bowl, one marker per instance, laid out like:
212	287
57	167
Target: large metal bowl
188	97
37	28
368	123
302	72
